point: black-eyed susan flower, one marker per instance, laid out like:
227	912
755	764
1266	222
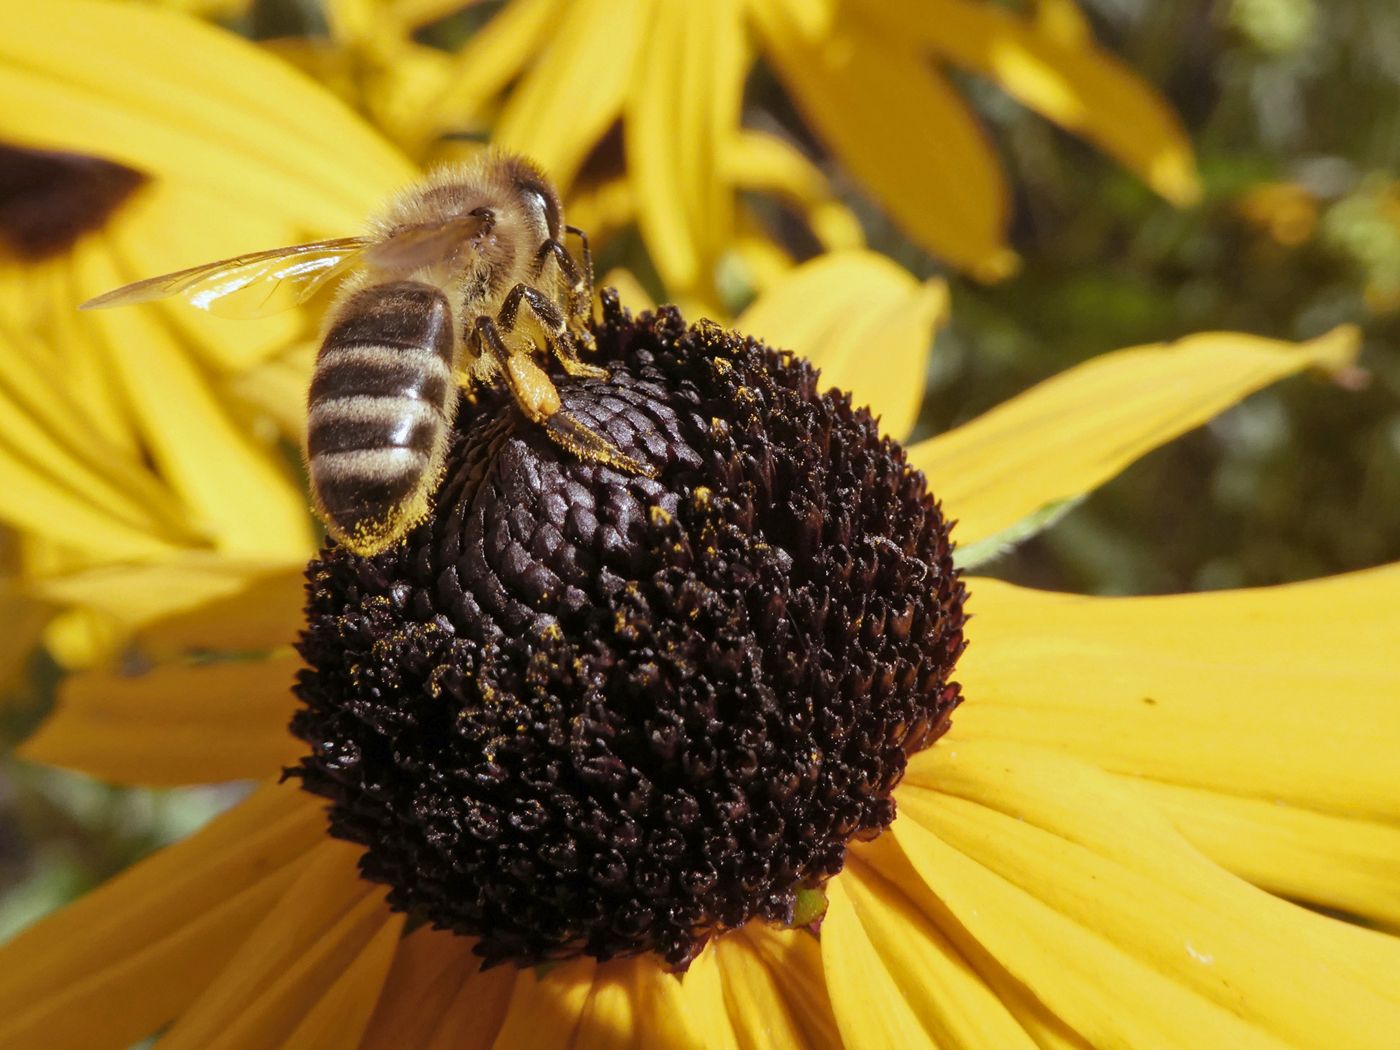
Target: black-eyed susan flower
1075	862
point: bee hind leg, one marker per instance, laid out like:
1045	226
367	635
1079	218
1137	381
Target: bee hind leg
539	400
568	433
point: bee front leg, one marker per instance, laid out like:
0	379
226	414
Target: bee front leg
580	283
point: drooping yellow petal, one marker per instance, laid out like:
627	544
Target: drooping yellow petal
948	998
428	970
290	961
609	1018
1066	878
864	321
679	1013
245	152
221	720
544	1011
1064	77
679	118
1278	693
577	89
153	937
339	1017
1344	863
753	1002
1072	433
762	162
168	94
24	618
45	433
870	1009
899	128
794	962
474	1018
262	615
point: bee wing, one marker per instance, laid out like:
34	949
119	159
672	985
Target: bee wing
256	285
420	247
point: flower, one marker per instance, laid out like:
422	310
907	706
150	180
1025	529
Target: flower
1123	777
554	78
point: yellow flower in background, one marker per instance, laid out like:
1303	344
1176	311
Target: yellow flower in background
552	78
139	448
1121	767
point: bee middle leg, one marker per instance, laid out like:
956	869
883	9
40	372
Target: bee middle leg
561	340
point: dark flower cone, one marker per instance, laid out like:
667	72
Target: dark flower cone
586	711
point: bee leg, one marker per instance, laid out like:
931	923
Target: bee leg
580	283
587	257
528	384
539	400
561	340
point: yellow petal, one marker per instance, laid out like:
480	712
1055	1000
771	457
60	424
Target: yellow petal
487	62
262	996
793	961
609	1019
474	1018
1079	86
950	1000
41	430
1066	879
24	619
899	128
136	594
544	1011
755	1005
1280	693
223	720
340	1016
576	90
245	152
1342	863
864	321
1072	433
686	1011
428	970
132	954
764	163
163	93
870	1010
678	120
262	615
231	486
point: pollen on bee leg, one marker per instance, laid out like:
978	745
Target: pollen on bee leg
533	390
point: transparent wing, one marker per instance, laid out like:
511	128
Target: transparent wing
429	245
256	285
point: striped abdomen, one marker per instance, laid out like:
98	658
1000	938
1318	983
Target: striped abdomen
381	404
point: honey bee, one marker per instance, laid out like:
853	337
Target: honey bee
462	279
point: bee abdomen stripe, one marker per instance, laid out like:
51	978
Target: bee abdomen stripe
352	485
362	423
399	314
379	371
